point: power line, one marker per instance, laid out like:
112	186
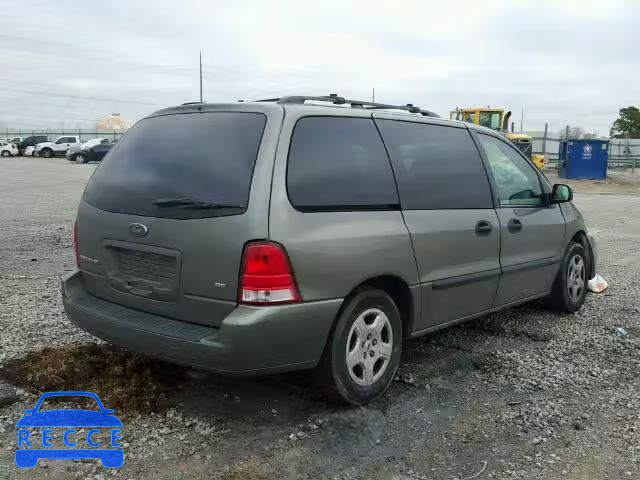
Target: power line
81	97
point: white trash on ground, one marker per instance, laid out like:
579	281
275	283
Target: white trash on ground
621	332
597	284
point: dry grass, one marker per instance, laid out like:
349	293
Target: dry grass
125	382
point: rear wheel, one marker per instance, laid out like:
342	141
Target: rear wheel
570	286
6	153
364	349
46	153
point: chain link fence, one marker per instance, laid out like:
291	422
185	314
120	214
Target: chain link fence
623	153
84	134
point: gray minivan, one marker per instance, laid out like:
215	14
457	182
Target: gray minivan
302	232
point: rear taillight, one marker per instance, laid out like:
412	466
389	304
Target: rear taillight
266	277
75	244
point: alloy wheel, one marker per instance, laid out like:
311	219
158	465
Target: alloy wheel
369	347
575	278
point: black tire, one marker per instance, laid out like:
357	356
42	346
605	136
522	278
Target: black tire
6	153
567	296
334	368
46	153
81	158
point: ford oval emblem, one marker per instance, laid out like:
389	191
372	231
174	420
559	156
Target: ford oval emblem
138	229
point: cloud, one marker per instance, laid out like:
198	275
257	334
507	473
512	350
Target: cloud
562	61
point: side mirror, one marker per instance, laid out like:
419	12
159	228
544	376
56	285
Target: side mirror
561	193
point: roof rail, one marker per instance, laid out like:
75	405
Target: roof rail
337	100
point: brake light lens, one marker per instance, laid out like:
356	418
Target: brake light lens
75	244
266	277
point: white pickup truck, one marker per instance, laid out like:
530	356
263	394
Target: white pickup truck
57	147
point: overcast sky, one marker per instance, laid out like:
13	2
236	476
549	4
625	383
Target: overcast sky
573	62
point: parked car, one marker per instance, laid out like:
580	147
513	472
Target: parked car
28	152
31	141
15	140
91	151
317	236
57	147
89	143
8	149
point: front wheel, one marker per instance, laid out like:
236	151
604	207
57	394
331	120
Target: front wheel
46	153
6	153
364	349
80	158
570	286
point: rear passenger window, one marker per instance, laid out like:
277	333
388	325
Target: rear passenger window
437	167
339	164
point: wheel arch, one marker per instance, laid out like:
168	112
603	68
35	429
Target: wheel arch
581	237
399	291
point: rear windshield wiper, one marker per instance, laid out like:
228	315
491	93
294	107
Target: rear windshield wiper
191	203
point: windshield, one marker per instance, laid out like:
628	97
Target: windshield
204	156
490	120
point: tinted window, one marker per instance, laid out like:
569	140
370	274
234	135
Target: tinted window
207	157
436	167
339	163
517	182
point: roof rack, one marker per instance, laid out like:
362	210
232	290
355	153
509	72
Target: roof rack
337	100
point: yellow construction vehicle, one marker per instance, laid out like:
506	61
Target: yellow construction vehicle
497	119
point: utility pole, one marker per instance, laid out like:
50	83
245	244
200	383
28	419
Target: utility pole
373	94
521	118
544	139
627	153
200	76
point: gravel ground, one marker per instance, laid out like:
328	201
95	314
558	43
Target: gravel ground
523	394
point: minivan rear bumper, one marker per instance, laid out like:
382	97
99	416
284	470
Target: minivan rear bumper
250	340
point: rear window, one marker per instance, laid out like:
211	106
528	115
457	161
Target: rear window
208	157
339	164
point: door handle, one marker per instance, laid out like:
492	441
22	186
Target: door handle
514	225
483	227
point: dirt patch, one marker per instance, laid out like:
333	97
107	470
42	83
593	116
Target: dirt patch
123	381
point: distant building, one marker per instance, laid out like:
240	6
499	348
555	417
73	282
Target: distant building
113	122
